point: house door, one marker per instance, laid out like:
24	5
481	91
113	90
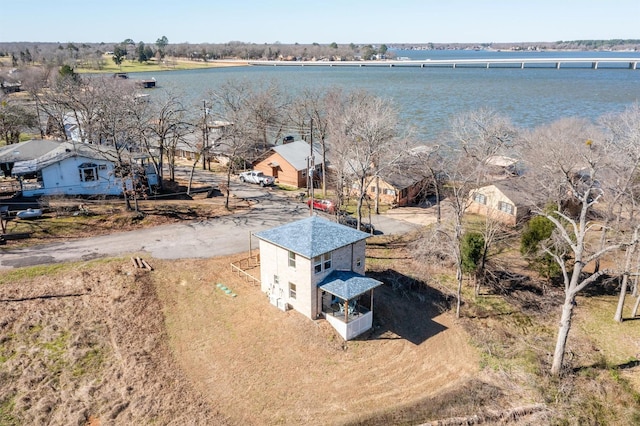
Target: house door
274	172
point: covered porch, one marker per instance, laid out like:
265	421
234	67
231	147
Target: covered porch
347	302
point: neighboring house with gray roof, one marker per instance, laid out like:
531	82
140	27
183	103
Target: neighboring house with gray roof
75	169
23	151
399	189
316	267
288	163
507	200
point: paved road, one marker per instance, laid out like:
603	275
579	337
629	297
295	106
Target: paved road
195	239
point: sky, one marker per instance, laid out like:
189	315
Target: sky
321	21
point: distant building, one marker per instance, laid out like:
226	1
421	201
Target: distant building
399	189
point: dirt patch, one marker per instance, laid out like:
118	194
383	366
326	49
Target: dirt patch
259	365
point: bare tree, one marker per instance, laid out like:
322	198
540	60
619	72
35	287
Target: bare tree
622	182
364	131
119	120
35	80
262	107
308	113
14	119
426	161
252	117
475	137
568	159
166	126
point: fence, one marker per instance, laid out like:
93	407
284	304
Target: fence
242	267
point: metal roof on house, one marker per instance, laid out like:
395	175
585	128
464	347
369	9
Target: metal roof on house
312	236
62	151
347	284
27	150
296	154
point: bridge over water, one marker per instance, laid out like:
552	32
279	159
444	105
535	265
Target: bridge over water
556	63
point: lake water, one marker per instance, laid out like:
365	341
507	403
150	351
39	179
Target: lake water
428	97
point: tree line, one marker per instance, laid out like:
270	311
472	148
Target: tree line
580	177
92	55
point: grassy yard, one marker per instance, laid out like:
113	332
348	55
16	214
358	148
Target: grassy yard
168	64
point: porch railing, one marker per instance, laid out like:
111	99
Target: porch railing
243	267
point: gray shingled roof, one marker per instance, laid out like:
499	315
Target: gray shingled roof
517	189
347	284
312	236
27	150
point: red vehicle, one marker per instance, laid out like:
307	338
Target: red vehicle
324	205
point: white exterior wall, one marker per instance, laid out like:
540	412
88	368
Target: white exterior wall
63	178
274	260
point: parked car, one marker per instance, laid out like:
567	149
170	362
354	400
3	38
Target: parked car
256	177
352	222
29	214
324	205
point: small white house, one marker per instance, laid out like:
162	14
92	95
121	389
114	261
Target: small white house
70	169
316	267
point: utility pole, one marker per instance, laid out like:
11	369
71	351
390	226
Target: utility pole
205	135
310	169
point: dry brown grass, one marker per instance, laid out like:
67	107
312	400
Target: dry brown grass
116	345
88	345
259	365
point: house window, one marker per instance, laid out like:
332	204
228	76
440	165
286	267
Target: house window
326	259
88	172
276	281
403	193
358	262
505	207
292	290
322	263
292	259
480	198
389	192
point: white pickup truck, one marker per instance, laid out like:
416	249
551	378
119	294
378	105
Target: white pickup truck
260	178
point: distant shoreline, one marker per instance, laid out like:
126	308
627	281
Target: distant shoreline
171	65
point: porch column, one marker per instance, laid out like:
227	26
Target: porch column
346	311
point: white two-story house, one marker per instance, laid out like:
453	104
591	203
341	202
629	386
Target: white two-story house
316	267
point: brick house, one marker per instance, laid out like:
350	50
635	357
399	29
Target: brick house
288	163
506	200
399	189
